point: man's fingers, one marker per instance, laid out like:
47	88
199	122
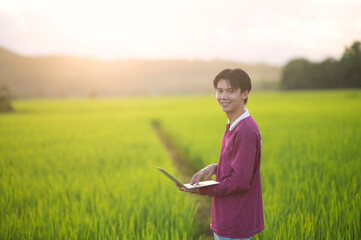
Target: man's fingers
196	177
207	177
179	187
196	181
186	190
193	178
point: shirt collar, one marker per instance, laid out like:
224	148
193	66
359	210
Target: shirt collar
240	118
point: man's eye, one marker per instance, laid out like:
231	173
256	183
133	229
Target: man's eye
231	91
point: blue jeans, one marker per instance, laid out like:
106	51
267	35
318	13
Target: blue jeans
216	237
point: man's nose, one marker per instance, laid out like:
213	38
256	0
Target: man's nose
224	95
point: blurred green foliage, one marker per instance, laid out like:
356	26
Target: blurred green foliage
5	104
346	73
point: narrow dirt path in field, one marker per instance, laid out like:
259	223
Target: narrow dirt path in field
204	202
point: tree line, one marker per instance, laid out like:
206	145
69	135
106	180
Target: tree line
300	73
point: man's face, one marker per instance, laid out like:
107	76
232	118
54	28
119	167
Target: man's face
229	99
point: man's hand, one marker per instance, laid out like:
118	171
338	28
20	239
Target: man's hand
208	171
195	190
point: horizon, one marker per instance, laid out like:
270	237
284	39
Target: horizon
137	59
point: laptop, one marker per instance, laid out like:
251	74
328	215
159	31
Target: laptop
188	186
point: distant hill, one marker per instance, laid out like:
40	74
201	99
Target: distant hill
63	76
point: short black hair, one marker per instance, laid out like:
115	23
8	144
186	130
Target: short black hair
237	78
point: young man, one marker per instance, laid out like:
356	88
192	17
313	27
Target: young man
237	210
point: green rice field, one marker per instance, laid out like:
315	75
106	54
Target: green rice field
85	168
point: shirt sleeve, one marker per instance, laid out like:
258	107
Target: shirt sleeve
242	166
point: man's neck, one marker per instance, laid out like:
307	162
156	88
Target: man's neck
234	115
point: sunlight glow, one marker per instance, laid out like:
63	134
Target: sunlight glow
202	29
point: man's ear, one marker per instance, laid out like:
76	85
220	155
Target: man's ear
244	95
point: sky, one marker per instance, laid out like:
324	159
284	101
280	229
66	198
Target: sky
272	32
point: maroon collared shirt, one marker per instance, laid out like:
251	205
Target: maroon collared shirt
237	210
